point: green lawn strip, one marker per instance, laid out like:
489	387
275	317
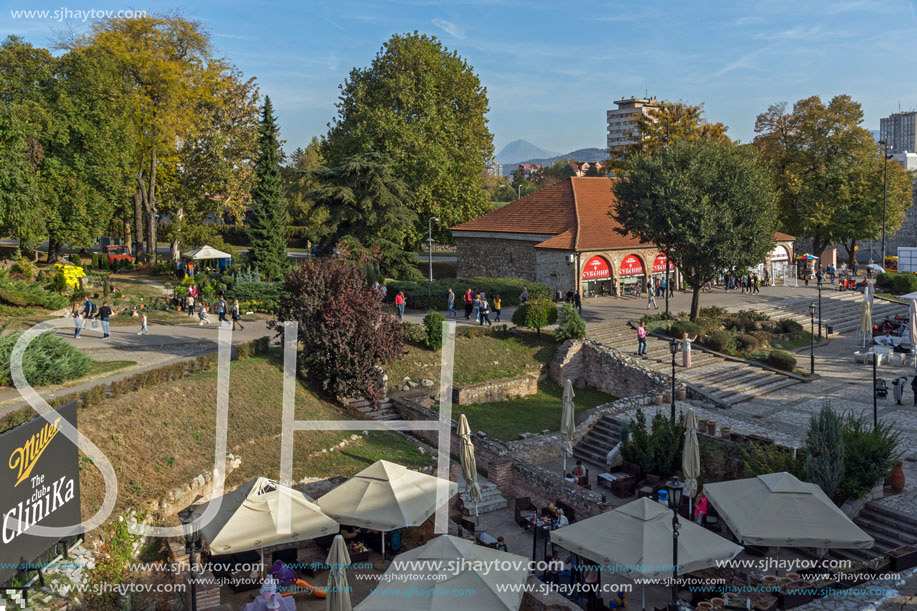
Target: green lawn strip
891	297
507	419
100	367
477	359
790	345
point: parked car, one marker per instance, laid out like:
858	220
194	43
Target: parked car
117	252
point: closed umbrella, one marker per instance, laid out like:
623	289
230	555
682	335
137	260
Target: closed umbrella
469	465
866	316
338	594
912	324
690	458
567	422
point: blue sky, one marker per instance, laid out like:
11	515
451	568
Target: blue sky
552	68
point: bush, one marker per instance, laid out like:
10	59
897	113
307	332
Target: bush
433	330
414	334
788	325
721	341
825	451
680	327
95	260
759	459
59	282
763	337
22	293
904	283
712	312
570	325
656	450
868	456
885	280
508	288
536	314
746	343
23	266
782	360
47	360
76	260
262	296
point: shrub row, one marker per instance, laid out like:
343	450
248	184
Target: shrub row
897	283
509	290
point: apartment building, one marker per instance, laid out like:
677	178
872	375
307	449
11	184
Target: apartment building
622	128
900	132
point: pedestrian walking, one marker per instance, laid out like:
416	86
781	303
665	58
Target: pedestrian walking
202	315
898	389
914	388
105	314
221	310
399	304
384	290
484	311
498	307
641	339
78	325
756	282
143	322
236	315
477	306
524	296
650	296
189	304
450	303
578	302
469	303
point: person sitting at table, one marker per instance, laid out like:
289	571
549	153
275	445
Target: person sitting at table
501	544
886	340
560	520
549	511
578	471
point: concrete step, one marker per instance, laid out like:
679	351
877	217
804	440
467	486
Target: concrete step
892	532
485	506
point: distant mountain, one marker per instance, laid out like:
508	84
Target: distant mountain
588	154
516	151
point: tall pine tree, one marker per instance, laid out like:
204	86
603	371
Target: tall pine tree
267	228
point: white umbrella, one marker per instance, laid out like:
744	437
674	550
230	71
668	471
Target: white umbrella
876	268
469	464
337	596
567	422
778	510
690	458
206	252
447	565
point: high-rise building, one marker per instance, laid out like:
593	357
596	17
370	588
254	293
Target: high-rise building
622	121
900	132
494	169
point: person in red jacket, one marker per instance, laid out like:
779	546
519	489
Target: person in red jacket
399	304
469	303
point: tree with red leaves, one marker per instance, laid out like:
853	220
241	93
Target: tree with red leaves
344	334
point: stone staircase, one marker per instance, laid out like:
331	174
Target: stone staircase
890	529
385	411
839	310
491	499
723	381
599	441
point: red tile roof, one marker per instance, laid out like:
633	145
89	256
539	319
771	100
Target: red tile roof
574	211
783	237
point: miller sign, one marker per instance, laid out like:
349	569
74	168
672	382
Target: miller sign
40	480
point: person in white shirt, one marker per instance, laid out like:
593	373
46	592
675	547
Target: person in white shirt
561	518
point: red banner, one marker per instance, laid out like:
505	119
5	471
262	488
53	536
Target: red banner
659	263
631	266
596	268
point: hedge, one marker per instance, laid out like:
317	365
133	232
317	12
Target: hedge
721	341
782	360
509	290
256	296
904	283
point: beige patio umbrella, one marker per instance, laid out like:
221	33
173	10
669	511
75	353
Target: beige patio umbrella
638	538
469	465
778	510
450	564
866	316
248	518
206	252
567	422
690	458
384	496
912	324
338	593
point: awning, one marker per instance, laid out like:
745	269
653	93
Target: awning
206	252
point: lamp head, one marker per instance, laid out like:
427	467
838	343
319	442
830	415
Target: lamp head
675	487
811	309
673	346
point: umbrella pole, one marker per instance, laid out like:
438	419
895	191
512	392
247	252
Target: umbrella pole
643	597
382	532
564	452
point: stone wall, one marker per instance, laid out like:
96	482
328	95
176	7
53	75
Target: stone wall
597	366
495	258
495	390
536	600
552	269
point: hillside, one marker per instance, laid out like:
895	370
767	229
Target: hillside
587	154
514	152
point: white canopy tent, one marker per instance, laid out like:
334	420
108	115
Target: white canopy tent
206	252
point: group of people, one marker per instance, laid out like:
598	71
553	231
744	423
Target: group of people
90	314
196	306
477	305
747	283
685	345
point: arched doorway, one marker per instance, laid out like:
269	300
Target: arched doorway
596	277
632	275
780	265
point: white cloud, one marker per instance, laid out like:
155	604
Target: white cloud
450	28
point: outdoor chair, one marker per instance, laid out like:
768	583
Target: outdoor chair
523	509
881	388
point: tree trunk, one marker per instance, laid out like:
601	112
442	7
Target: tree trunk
54	249
138	219
175	246
851	252
128	242
695	302
150	205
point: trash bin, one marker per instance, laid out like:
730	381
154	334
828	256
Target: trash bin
663	496
829	329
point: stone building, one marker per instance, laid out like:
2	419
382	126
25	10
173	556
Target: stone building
563	236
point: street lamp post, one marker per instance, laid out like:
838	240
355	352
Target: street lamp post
676	488
884	143
812	338
875	400
186	518
430	258
668	287
673	347
819	309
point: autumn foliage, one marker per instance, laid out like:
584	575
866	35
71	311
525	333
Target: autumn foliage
344	334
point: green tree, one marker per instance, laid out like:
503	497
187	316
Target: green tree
370	210
670	122
306	218
825	450
570	325
423	106
829	171
710	206
267	226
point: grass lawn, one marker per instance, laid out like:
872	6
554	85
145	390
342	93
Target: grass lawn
790	345
539	412
160	438
100	367
891	297
477	359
